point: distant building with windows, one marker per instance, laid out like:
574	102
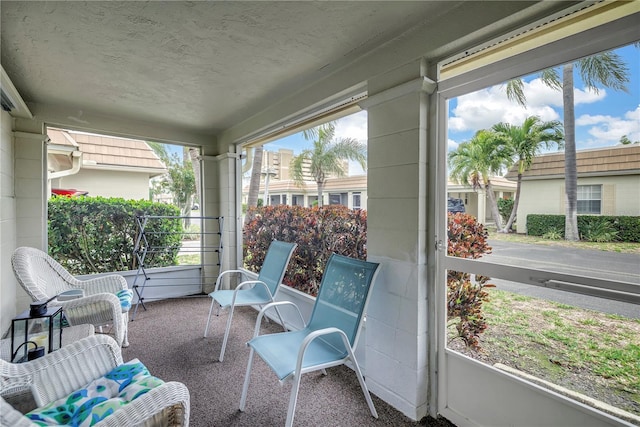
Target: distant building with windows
280	189
608	183
351	191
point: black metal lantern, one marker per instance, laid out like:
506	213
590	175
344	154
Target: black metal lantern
36	332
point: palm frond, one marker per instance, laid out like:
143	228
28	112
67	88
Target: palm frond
607	69
515	91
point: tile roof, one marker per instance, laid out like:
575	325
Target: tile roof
618	159
109	151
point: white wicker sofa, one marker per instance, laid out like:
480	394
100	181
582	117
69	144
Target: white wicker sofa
58	374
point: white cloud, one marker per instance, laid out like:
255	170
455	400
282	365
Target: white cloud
452	145
633	114
486	107
588	96
353	126
609	129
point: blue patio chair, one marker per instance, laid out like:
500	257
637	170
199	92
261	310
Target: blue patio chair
252	292
330	337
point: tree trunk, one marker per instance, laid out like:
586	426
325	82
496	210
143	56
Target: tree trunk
320	193
195	164
494	205
570	168
256	172
514	210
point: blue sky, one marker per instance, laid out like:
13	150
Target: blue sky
601	118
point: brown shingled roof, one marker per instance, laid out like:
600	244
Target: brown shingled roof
618	158
109	151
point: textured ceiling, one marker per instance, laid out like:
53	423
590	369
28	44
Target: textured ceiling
196	64
199	66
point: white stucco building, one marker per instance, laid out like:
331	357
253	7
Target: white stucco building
608	183
102	165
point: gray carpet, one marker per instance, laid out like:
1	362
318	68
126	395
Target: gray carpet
168	339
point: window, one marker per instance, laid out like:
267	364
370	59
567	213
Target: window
356	200
338	199
297	200
274	200
590	199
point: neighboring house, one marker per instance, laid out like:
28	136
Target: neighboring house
351	191
476	202
608	183
280	189
102	165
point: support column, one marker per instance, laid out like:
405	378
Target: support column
31	191
219	199
397	368
482	206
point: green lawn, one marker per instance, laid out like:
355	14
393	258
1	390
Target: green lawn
621	247
585	351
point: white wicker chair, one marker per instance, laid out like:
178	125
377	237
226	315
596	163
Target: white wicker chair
72	367
42	277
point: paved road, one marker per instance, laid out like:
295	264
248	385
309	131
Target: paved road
599	264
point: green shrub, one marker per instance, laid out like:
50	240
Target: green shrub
318	233
539	224
505	206
598	231
590	227
321	231
628	228
467	239
554	234
95	234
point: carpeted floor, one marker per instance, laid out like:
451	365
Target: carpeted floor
168	339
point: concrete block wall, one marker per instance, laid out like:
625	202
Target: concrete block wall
219	194
7	223
30	194
397	363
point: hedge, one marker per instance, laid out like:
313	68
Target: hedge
627	227
467	238
96	234
321	231
317	231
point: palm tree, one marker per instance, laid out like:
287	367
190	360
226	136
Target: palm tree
525	142
256	173
476	161
326	157
624	140
607	69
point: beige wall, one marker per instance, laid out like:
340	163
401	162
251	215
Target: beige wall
128	185
619	196
7	223
22	190
30	191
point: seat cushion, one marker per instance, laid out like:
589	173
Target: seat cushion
98	399
125	296
280	351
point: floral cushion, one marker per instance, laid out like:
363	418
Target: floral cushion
99	399
125	296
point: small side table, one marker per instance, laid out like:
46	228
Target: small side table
21	398
69	335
